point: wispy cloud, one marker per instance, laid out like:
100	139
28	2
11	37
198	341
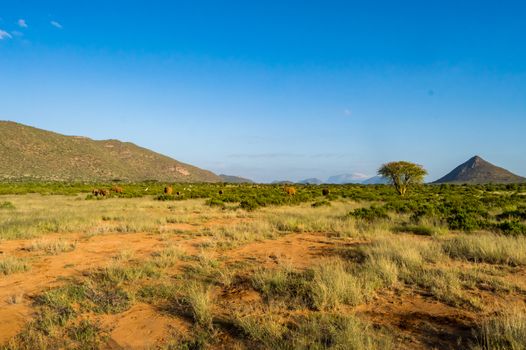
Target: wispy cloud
5	35
56	24
22	23
17	33
347	112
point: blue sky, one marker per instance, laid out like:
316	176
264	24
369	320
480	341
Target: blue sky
275	89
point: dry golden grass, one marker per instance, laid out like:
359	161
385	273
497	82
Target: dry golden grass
10	264
490	248
51	247
507	330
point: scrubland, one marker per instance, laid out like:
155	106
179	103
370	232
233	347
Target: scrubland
254	268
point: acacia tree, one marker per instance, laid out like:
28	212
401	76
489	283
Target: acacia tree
402	174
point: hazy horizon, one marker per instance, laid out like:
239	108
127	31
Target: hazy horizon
275	90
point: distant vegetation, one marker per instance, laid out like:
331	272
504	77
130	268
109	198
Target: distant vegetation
498	208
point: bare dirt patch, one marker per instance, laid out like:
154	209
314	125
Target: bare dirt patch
141	327
299	250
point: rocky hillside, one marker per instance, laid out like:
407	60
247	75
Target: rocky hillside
478	171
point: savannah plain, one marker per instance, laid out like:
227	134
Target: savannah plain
222	266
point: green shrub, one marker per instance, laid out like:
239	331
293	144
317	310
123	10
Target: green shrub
519	214
463	221
323	203
249	205
215	202
371	214
415	229
512	228
169	197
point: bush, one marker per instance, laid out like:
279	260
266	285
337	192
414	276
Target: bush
415	229
370	214
321	204
249	205
519	214
513	228
168	197
462	220
214	202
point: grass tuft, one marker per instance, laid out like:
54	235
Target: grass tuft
197	298
9	265
505	331
52	247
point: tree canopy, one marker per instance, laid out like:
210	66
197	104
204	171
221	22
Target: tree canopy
402	174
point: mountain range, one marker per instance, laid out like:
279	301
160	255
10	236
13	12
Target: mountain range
28	153
311	181
354	178
475	171
346	179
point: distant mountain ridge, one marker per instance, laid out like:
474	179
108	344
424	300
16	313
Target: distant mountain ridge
345	179
478	171
282	182
28	153
311	181
342	179
235	179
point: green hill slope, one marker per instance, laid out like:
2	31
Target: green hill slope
34	154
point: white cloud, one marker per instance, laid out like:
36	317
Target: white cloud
22	23
347	112
5	35
17	33
56	24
